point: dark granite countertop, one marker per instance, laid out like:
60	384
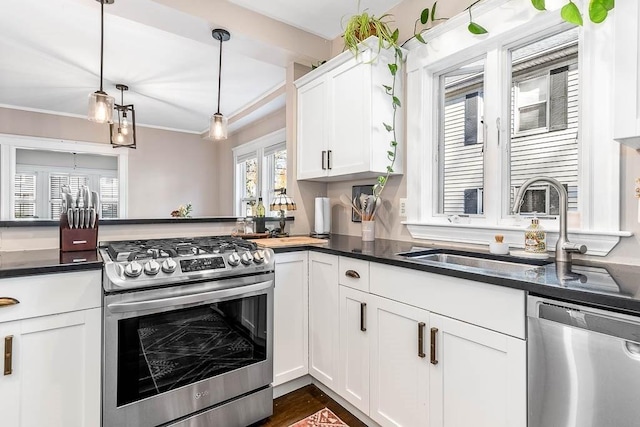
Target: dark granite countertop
135	221
28	263
611	286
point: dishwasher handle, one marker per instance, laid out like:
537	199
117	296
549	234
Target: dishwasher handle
591	320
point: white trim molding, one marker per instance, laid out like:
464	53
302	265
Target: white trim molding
512	23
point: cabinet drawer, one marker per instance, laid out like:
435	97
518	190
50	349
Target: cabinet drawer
354	273
43	295
489	306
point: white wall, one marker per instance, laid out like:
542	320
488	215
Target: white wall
166	170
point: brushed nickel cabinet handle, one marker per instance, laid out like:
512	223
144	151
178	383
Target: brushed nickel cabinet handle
324	153
352	273
421	327
363	308
8	354
7	301
434	334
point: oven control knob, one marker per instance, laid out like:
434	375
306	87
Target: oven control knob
246	258
151	268
258	257
169	265
233	259
134	269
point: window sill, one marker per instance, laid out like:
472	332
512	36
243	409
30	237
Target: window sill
599	243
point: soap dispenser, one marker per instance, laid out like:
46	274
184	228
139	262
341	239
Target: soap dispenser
535	237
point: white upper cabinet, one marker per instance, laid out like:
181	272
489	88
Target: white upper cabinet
342	109
627	74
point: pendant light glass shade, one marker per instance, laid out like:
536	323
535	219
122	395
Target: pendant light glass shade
218	123
218	127
101	107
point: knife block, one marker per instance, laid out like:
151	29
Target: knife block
77	239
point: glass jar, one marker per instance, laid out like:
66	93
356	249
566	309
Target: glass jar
240	226
248	226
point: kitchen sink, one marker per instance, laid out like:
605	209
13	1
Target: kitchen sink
484	262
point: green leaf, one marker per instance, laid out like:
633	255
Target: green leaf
399	53
389	169
395	35
393	68
389	128
571	13
387	88
476	29
420	39
433	11
539	4
597	12
424	16
394	144
396	101
608	4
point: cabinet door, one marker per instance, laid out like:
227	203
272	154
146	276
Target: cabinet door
56	370
479	378
291	317
350	118
323	318
354	348
312	128
399	368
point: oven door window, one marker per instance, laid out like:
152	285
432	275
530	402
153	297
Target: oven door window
161	352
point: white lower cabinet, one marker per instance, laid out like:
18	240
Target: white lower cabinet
323	318
354	348
399	369
53	378
477	376
51	341
291	317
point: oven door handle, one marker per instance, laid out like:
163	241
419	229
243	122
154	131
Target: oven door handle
187	299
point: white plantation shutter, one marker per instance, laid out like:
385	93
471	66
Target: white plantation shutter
25	195
109	189
56	181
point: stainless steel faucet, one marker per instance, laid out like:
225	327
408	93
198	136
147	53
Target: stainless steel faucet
564	248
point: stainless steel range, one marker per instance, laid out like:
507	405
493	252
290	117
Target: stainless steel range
188	332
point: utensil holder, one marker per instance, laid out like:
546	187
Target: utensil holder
368	231
77	239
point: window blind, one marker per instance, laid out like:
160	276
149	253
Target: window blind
25	196
109	193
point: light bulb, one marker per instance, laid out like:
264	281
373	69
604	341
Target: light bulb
124	126
100	107
120	136
101	111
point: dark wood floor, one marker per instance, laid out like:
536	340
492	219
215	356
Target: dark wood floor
303	402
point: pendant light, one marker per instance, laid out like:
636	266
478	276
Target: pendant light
218	125
123	129
100	103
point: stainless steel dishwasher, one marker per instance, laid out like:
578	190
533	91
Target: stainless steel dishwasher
583	366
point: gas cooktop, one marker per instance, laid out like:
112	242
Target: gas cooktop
158	262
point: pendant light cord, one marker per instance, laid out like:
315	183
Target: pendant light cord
219	75
101	40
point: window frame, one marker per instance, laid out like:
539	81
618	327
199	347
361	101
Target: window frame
10	143
261	149
449	46
518	107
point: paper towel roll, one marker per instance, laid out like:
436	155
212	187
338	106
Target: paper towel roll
322	215
326	215
319	223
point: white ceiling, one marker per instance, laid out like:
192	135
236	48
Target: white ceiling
49	54
323	18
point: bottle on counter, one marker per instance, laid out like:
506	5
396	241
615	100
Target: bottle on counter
260	217
535	237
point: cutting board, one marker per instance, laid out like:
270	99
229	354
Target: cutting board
281	242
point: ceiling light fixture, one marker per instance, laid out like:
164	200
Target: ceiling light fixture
218	125
123	132
100	103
